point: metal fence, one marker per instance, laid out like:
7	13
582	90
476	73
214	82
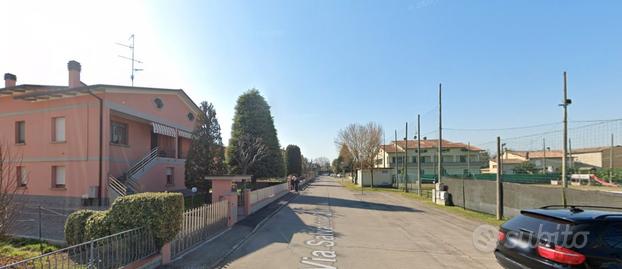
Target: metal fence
113	251
258	195
198	225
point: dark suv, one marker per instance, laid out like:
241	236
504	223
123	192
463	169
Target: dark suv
562	237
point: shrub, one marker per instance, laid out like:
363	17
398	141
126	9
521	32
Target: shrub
98	225
162	213
74	226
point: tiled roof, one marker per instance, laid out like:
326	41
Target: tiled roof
391	148
591	150
537	154
508	161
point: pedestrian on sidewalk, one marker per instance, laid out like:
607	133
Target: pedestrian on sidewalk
296	182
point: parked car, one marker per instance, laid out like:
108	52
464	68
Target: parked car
558	237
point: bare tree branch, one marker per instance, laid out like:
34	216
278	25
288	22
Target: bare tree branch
10	180
251	150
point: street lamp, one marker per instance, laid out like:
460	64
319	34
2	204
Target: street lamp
194	191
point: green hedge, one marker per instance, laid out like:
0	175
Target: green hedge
75	226
98	225
161	213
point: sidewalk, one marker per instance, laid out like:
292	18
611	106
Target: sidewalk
214	252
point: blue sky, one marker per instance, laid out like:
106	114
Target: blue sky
324	64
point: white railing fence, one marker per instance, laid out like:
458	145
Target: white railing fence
265	193
198	225
113	251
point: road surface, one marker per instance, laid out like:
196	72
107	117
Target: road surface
329	226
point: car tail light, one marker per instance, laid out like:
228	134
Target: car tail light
561	255
501	236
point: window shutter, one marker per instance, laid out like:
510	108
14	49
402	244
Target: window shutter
59	175
59	129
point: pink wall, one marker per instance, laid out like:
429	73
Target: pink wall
155	178
174	109
78	154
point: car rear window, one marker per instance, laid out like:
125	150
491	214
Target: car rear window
542	227
613	236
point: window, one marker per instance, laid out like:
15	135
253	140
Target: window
414	159
463	159
392	159
423	159
169	176
20	132
20	175
118	133
58	129
613	236
58	176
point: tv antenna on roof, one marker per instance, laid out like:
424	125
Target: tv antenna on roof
131	47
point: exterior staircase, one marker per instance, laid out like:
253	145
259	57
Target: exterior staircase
127	184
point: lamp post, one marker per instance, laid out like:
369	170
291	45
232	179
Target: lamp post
194	191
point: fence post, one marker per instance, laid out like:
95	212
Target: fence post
165	252
232	199
247	202
92	255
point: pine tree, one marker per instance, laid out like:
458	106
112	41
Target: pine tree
293	160
253	119
206	155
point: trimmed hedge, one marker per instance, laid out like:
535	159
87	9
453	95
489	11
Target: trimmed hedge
98	225
161	213
75	226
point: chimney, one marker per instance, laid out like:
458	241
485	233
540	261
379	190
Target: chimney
74	74
9	80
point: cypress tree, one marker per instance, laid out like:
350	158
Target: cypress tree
206	154
293	160
253	118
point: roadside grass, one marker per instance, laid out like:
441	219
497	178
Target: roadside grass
17	249
469	214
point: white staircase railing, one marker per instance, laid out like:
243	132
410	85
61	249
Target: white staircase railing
117	186
142	163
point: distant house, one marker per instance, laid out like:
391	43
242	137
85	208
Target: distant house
598	157
458	158
549	161
90	143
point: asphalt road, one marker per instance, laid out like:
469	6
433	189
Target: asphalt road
329	226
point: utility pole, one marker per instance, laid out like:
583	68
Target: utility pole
406	159
499	183
418	154
570	154
384	151
469	158
440	134
544	156
611	161
565	104
468	174
397	173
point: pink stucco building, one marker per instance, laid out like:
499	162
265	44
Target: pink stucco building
90	143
